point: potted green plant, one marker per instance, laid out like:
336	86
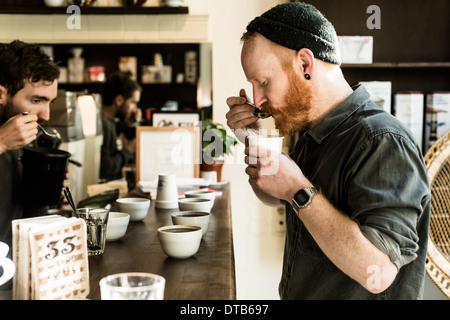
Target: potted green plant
215	144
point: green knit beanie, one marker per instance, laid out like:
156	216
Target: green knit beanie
298	25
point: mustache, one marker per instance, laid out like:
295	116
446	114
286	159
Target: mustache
266	107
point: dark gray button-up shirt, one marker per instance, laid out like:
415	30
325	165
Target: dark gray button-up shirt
11	193
368	165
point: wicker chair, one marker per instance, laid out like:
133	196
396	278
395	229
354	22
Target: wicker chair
437	160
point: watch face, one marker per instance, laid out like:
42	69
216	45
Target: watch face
302	197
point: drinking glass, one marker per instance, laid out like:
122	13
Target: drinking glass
132	286
96	221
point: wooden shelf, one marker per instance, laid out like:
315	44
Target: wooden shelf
389	65
153	95
94	10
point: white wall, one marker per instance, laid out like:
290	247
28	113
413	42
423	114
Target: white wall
258	248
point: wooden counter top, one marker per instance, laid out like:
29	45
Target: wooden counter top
208	275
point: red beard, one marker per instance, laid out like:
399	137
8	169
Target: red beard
294	114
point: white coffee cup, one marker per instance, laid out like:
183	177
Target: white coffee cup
267	145
6	264
272	143
167	191
211	176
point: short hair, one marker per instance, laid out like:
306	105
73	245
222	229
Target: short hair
20	61
119	83
247	36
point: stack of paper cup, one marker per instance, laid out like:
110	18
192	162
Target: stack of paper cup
167	191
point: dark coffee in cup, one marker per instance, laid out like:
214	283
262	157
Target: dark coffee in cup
193	215
179	230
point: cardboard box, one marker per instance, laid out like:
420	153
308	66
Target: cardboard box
156	74
356	49
437	116
409	108
380	93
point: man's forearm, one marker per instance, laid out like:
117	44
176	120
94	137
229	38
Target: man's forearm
342	241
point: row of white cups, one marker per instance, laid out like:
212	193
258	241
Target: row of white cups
180	240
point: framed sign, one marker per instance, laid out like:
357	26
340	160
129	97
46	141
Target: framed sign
50	254
175	119
167	150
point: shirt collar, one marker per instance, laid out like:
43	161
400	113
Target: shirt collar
353	102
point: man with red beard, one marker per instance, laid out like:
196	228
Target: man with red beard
355	188
28	83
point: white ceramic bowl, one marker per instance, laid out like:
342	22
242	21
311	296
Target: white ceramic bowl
117	225
180	241
136	207
192	218
195	204
54	3
202	194
171	3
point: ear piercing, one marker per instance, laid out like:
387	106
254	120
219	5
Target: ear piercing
307	76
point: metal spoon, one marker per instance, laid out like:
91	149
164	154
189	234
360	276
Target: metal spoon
54	134
258	113
47	139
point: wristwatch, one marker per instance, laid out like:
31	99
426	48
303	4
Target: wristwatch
303	198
